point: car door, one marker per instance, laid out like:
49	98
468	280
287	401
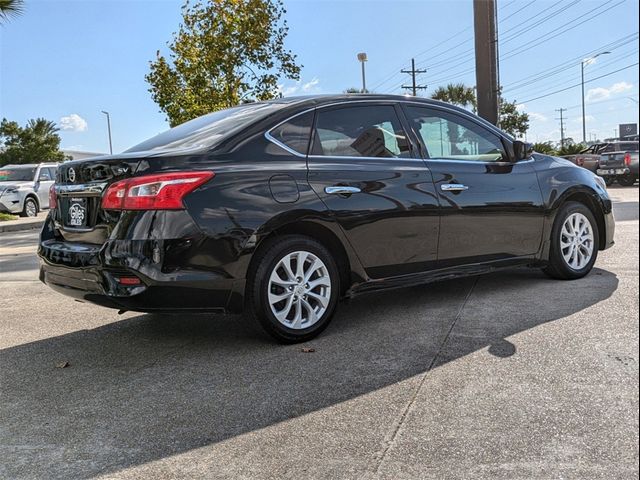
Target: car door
491	207
43	183
369	175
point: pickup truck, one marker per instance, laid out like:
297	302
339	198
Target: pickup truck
589	158
620	166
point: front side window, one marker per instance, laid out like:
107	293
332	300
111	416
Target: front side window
450	136
295	133
360	131
45	176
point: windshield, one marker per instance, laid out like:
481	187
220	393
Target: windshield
204	131
17	174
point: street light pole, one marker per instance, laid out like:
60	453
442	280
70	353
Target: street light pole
109	130
362	57
584	117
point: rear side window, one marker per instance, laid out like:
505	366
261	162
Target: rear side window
295	133
44	175
362	131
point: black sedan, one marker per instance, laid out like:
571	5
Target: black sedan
281	208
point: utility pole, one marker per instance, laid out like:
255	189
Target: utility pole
486	46
561	110
413	72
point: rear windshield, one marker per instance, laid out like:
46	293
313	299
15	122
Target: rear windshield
205	131
17	174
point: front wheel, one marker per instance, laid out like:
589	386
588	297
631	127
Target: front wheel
293	290
574	242
30	208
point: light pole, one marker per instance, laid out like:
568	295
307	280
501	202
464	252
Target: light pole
584	117
109	130
362	57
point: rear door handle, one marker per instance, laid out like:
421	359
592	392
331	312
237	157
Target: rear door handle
453	187
341	190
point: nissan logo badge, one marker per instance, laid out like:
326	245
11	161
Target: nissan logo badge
72	175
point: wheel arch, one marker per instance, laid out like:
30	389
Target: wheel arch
590	199
35	199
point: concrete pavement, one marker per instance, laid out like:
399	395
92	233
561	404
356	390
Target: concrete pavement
510	375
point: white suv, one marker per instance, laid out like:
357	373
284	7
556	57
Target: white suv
24	189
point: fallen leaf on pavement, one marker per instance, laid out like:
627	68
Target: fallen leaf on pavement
308	350
63	365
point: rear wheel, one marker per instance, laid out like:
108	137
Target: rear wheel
574	242
30	208
293	290
627	181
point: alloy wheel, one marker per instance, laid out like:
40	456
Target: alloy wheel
577	241
299	290
30	208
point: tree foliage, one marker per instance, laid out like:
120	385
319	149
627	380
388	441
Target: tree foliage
224	53
457	94
512	120
546	148
10	8
38	141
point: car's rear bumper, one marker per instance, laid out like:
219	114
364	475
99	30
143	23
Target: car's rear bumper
616	171
79	271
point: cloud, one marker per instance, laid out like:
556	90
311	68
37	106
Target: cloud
298	87
601	93
310	85
587	118
73	123
537	117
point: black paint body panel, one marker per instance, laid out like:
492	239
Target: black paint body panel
400	230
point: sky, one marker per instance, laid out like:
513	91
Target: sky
67	61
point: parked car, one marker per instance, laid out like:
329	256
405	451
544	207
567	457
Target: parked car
24	189
620	165
589	158
282	208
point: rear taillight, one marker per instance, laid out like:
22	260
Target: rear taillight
53	199
162	191
627	159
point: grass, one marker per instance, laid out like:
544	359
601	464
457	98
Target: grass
7	216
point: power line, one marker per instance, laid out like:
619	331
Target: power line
578	84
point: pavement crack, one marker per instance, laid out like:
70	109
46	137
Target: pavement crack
396	430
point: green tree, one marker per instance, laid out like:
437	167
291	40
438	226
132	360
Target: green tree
38	141
224	53
546	148
512	120
457	94
570	148
10	8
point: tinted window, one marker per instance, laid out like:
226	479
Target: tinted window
363	131
451	136
17	174
295	133
205	131
52	172
44	174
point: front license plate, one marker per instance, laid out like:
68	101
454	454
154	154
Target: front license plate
77	214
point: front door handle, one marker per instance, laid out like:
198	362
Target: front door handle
453	187
341	190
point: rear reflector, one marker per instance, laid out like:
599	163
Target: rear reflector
162	191
129	281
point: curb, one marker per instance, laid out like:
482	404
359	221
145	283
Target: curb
18	226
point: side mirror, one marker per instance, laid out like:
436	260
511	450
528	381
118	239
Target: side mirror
522	150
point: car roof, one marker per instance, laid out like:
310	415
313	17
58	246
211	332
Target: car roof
319	100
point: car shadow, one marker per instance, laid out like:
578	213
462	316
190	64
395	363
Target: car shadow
149	387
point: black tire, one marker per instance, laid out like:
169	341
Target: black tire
609	180
30	208
558	267
257	306
627	181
